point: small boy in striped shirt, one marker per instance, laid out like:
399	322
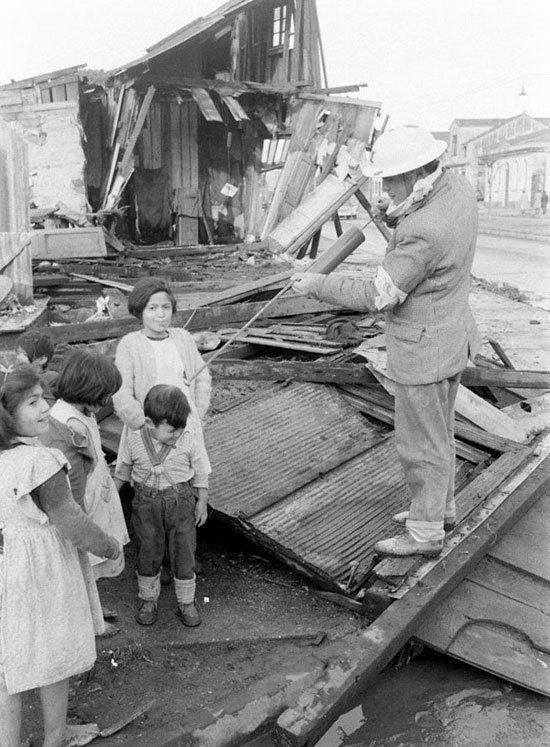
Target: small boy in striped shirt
168	466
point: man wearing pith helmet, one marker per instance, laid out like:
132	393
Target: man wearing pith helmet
422	286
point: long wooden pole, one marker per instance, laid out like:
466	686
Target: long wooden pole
327	262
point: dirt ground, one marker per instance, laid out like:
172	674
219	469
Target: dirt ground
246	600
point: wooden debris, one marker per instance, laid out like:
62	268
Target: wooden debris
135	714
374	647
68	243
271	370
102	281
467	500
208	317
276	341
502	377
486	416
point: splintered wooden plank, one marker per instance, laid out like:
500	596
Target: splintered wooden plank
502	377
373	648
235	108
125	165
480	412
206	105
278	343
268	370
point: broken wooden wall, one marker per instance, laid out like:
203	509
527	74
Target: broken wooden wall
56	156
15	252
328	137
47	109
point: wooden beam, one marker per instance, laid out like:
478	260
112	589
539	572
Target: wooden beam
503	377
367	206
207	317
373	648
194	250
339	89
316	371
140	121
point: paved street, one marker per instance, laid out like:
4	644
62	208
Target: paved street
525	264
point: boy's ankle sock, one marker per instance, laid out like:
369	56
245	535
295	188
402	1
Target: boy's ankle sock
148	587
185	590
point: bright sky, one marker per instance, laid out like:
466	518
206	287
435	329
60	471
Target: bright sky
428	61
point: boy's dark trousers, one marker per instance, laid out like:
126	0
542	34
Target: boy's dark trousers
160	515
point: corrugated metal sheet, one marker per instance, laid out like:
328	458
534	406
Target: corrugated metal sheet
303	474
335	521
275	444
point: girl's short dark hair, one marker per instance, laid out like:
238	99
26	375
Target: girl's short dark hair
36	345
14	386
142	292
165	402
87	379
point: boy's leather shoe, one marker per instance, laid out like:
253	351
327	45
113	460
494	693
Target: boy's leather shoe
448	523
407	545
189	615
147	613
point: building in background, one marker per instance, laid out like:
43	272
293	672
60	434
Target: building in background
509	159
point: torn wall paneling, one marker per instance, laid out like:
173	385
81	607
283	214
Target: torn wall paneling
56	158
15	255
127	144
303	128
185	169
294	231
151	138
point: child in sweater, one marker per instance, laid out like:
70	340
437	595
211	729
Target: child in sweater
157	354
48	600
169	469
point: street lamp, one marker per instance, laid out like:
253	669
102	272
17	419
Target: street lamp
523	92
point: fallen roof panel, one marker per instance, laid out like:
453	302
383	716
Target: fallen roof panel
498	618
273	445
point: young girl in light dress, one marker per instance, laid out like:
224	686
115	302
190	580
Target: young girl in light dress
49	608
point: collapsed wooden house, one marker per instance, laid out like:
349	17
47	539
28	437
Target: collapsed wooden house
199	128
188	142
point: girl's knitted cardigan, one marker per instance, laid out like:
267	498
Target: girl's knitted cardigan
136	362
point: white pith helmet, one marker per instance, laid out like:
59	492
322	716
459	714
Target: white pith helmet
403	149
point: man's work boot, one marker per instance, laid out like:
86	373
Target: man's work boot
449	523
147	613
189	615
406	545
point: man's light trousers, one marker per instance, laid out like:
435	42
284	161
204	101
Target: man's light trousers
424	430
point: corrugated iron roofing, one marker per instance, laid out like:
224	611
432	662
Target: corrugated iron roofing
335	521
308	478
273	445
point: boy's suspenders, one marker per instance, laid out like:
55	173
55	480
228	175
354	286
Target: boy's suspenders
157	459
